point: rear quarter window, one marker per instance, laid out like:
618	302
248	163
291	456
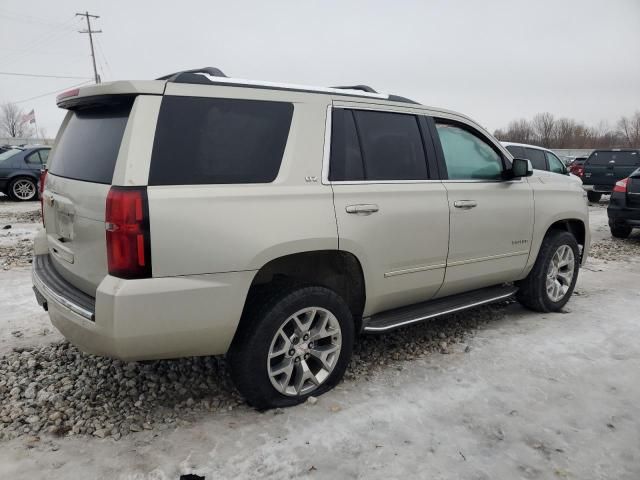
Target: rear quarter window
88	147
219	140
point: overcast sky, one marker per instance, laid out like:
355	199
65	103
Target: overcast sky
495	60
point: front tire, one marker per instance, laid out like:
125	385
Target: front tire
291	344
23	189
550	283
594	197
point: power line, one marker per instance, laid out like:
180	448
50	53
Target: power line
91	32
41	75
46	38
53	92
104	56
6	11
29	19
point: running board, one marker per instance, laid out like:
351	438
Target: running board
399	317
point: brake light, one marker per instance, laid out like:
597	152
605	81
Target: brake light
43	180
579	171
621	186
69	93
128	238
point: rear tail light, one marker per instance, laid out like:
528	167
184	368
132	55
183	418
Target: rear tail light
128	238
41	185
579	171
621	186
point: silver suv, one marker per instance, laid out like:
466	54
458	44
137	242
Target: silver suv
199	215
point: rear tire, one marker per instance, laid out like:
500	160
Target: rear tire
270	340
620	230
594	197
23	189
558	255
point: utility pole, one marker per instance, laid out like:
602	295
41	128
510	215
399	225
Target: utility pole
91	32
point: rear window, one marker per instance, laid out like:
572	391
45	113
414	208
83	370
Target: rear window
620	158
89	145
219	140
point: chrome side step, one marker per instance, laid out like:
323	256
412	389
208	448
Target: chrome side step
399	317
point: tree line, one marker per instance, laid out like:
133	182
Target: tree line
545	130
12	122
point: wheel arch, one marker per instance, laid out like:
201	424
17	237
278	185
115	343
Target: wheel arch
337	270
576	226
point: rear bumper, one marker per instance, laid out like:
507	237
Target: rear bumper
619	212
598	188
146	319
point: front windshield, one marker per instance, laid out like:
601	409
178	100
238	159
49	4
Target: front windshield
8	154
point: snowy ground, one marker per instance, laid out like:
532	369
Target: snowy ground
523	396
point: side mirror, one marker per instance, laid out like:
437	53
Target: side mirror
521	167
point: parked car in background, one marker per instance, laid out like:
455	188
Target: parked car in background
604	168
624	206
576	167
20	171
540	158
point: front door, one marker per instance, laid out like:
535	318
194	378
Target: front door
491	220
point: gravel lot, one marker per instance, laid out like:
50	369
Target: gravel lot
498	392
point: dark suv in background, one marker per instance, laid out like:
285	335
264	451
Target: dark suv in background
624	206
604	168
20	171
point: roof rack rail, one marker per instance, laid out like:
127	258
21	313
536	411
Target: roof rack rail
364	88
193	77
189	76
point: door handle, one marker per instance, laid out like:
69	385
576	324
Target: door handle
364	209
465	204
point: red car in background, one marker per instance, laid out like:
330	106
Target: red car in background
577	166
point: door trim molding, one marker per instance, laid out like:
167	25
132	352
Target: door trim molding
484	259
414	270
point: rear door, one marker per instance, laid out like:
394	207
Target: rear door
80	174
391	209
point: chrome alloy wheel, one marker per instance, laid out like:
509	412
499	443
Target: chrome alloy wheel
304	351
560	273
24	189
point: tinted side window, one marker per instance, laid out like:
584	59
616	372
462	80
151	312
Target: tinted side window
346	158
517	152
89	145
33	158
555	165
44	155
466	155
627	159
536	157
392	146
219	140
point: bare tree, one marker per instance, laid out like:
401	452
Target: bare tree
629	129
549	132
564	133
12	121
518	131
543	125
